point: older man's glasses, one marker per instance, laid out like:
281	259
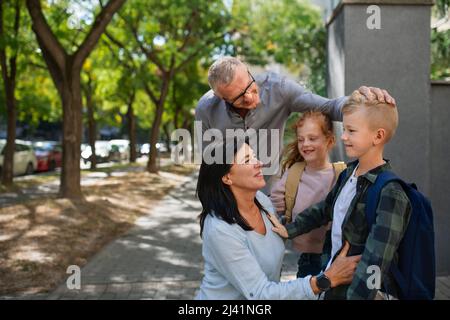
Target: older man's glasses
238	99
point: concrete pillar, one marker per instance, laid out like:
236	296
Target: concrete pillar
396	57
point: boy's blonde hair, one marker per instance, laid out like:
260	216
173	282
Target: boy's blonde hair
378	114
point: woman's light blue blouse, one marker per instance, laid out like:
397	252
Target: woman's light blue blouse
243	264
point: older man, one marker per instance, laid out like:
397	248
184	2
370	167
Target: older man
238	100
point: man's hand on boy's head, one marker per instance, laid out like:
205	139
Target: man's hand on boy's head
373	93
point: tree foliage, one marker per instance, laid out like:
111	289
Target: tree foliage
288	32
440	42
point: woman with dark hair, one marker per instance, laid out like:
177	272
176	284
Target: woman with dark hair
242	254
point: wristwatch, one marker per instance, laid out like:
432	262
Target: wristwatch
323	283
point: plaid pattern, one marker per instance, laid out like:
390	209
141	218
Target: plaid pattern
378	246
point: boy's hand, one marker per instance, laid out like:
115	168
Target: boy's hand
373	93
278	227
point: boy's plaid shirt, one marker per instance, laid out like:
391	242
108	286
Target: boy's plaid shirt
378	246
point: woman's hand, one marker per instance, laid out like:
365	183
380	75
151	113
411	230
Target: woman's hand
278	227
342	269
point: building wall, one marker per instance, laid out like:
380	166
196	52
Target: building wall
440	171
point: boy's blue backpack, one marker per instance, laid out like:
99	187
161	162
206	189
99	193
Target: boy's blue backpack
415	273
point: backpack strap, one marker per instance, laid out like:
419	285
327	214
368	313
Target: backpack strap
373	197
292	182
340	177
374	192
338	168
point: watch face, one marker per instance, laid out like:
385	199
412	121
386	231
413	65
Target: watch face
323	282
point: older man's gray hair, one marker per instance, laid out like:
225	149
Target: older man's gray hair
222	71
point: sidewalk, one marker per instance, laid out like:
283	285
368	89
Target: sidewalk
160	258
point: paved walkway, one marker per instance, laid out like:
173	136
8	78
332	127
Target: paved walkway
160	258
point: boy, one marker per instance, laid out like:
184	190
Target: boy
368	126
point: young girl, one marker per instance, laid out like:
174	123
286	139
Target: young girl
307	177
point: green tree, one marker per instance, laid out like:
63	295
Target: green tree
100	78
129	81
36	98
185	91
89	87
288	32
10	23
65	67
170	36
440	42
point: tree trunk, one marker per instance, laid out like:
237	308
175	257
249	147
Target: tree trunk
72	128
187	122
152	166
177	106
92	128
65	71
131	119
175	118
167	136
68	82
9	81
8	160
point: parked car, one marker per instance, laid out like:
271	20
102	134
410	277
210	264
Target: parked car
102	149
119	150
160	146
25	161
145	149
48	154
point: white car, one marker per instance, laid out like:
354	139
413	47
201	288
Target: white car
24	158
102	149
160	146
119	150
